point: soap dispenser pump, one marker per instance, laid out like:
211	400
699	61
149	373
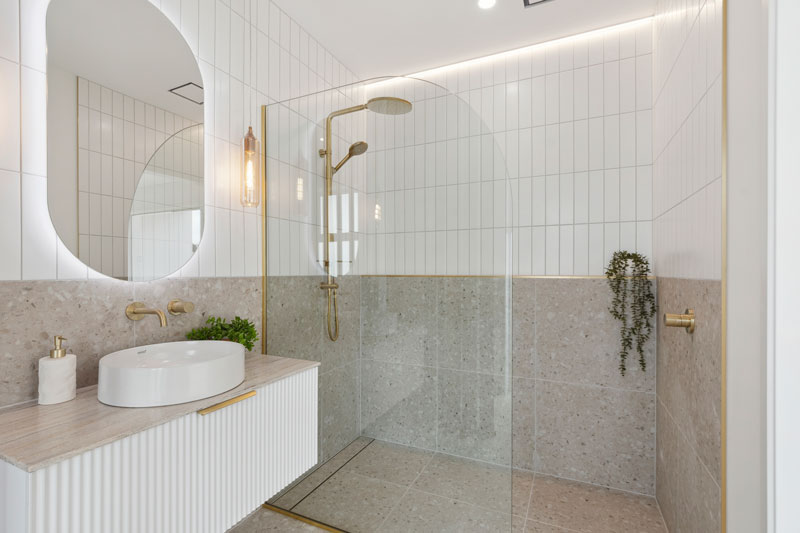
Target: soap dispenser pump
57	374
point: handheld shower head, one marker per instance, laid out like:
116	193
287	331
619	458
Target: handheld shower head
355	149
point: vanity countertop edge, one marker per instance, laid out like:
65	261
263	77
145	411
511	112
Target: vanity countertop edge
35	436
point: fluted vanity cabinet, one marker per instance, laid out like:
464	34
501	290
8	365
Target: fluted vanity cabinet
194	472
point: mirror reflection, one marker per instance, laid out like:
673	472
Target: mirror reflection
125	137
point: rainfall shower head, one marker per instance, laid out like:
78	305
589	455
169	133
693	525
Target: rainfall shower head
355	149
389	105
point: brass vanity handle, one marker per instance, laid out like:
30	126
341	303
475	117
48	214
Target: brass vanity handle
226	403
685	320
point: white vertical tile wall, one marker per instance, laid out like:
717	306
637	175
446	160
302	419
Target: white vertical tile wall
250	53
687	138
296	184
571	118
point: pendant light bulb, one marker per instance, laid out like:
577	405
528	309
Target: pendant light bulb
251	170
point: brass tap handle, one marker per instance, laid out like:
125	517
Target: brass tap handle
179	307
686	320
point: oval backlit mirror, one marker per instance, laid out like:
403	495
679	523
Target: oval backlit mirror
124	137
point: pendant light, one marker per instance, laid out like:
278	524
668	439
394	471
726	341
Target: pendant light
251	151
251	170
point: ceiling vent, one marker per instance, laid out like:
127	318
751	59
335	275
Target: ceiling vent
531	3
190	91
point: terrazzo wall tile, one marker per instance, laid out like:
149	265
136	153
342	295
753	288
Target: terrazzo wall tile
338	409
474	416
296	327
398	403
346	348
397	320
90	314
564	337
686	491
689	366
523	419
595	434
471	314
297	316
523	329
577	339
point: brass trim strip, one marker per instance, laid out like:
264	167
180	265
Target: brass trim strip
518	276
77	166
264	230
724	281
302	518
226	403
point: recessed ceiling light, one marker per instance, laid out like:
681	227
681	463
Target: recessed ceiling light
486	4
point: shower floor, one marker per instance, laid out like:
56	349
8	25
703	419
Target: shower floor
374	486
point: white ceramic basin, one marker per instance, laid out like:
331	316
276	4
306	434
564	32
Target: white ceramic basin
169	373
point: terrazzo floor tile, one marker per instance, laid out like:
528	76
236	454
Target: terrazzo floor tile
588	508
423	512
533	526
384	487
390	462
468	481
292	496
351	502
264	521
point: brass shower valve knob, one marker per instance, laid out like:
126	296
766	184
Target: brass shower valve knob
686	320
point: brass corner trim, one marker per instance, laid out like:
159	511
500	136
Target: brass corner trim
226	403
301	518
264	230
723	507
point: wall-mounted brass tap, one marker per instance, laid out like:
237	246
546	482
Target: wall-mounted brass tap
137	311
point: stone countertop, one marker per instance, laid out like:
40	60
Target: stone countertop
35	436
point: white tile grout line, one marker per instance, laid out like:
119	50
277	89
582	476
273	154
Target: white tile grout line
527	505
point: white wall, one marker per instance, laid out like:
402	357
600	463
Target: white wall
286	62
747	245
784	285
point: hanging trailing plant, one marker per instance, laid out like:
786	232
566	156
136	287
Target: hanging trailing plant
633	305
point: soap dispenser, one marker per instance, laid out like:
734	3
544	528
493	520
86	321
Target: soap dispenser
57	375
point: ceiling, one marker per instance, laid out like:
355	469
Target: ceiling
130	47
391	37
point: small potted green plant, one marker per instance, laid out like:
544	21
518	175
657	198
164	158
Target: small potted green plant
218	329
